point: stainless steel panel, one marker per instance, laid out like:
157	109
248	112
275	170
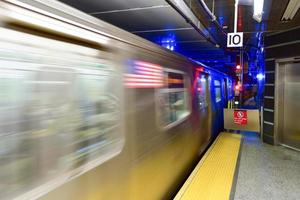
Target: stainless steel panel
291	102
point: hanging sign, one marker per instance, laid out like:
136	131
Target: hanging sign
235	39
240	117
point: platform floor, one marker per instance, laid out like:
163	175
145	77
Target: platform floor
244	169
213	177
266	172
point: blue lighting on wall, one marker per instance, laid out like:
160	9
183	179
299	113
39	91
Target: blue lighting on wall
168	42
221	21
260	76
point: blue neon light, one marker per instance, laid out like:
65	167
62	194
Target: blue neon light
260	76
168	42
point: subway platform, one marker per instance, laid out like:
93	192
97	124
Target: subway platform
241	167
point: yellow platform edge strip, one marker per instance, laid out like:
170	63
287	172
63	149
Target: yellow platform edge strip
213	176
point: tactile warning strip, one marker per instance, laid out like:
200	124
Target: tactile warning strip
213	176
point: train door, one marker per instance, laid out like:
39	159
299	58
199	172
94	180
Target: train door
203	99
217	105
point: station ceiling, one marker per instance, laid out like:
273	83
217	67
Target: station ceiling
273	12
271	21
159	21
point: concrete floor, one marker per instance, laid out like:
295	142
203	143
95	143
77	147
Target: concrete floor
267	172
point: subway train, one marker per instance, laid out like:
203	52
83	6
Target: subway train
89	111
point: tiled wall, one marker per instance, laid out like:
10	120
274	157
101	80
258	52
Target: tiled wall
268	109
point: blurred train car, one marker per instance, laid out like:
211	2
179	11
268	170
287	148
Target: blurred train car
89	111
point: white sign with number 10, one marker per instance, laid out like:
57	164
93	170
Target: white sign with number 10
235	39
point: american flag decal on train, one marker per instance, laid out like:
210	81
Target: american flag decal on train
144	75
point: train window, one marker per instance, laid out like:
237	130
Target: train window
224	88
229	89
59	114
173	103
201	92
218	94
99	115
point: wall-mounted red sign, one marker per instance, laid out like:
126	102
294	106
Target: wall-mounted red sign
240	117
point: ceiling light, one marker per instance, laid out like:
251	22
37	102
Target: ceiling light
291	10
258	6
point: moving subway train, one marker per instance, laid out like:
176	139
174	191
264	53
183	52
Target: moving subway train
89	111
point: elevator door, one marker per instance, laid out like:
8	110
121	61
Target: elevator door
291	106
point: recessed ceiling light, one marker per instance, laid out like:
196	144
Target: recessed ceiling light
258	6
291	10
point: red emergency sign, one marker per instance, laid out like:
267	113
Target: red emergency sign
240	117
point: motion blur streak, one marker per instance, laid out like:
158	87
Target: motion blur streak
56	119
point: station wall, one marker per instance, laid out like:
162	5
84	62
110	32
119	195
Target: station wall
284	44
